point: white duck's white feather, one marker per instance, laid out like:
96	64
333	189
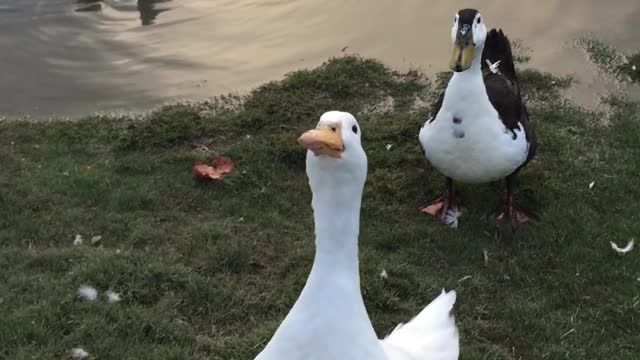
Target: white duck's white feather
431	335
329	320
487	151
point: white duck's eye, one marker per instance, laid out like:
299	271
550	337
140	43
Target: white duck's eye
354	129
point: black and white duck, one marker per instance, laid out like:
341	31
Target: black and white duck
481	130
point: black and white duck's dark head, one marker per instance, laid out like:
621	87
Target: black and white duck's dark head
468	34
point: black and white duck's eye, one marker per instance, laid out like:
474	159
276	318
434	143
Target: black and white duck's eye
479	20
354	129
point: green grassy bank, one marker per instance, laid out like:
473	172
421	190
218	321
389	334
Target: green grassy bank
208	270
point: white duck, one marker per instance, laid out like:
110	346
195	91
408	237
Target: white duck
329	319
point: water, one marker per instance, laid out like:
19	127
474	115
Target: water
128	55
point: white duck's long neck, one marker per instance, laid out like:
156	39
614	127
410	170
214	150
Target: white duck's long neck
336	213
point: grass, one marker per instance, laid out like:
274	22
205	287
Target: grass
208	270
611	60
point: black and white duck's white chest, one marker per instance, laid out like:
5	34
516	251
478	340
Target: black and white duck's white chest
467	141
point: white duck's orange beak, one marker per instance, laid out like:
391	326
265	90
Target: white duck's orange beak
323	141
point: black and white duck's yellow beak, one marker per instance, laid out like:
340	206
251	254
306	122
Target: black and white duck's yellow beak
323	141
463	49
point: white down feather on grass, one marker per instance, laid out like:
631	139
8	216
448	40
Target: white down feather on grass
87	292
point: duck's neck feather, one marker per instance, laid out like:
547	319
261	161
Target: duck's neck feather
469	81
337	225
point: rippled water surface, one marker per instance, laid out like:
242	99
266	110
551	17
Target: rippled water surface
72	57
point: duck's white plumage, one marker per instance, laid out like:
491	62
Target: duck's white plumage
479	148
329	319
430	335
468	140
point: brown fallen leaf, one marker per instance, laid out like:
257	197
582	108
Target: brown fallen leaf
221	165
205	171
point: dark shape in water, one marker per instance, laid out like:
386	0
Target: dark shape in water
148	12
146	8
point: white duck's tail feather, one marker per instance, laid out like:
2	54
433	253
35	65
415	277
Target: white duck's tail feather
431	335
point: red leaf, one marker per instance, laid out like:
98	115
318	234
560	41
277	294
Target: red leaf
221	165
